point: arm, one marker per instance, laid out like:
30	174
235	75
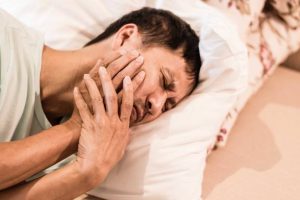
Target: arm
24	158
103	139
65	183
21	159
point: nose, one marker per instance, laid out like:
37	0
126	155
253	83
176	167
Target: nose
156	101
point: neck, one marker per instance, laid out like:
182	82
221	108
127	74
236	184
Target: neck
61	71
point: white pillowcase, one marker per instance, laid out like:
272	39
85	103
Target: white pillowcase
166	158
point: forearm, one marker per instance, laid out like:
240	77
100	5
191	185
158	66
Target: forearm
66	183
21	159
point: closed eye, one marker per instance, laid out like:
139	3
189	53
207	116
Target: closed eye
169	104
167	84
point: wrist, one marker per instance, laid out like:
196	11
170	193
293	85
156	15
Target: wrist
92	174
74	122
72	129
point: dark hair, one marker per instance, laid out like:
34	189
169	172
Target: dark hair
162	28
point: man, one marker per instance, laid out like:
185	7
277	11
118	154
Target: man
164	70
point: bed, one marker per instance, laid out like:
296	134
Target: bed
257	154
261	160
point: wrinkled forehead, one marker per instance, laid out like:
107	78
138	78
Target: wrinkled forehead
184	82
175	69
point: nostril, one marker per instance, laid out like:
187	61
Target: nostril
149	105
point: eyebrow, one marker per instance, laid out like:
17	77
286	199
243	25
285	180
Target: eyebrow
170	77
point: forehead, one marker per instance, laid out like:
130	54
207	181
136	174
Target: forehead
173	65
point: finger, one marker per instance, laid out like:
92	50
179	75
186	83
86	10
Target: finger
136	82
113	56
131	70
82	107
118	64
82	86
127	100
109	92
94	72
138	79
96	98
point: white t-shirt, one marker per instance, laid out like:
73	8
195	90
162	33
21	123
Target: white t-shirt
21	112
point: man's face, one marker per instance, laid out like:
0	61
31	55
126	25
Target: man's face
166	83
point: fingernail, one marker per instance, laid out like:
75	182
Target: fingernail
127	81
102	71
86	76
75	90
142	75
139	60
135	53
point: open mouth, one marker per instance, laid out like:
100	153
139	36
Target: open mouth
133	116
136	114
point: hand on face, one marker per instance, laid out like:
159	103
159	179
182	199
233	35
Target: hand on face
119	66
105	127
105	132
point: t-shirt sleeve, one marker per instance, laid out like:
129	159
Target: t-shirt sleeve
20	61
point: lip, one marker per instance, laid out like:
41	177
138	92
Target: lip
133	116
139	113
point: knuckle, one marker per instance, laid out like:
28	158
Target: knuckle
82	106
130	56
128	106
112	98
112	67
97	99
124	118
121	75
113	122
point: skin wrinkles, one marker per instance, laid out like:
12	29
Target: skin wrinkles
165	84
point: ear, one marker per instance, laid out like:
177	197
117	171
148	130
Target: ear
127	38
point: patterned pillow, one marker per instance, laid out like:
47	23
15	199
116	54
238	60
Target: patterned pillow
271	36
241	12
288	11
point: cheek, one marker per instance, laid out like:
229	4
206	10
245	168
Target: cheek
147	87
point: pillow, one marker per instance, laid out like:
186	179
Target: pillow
240	12
166	158
269	42
286	10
